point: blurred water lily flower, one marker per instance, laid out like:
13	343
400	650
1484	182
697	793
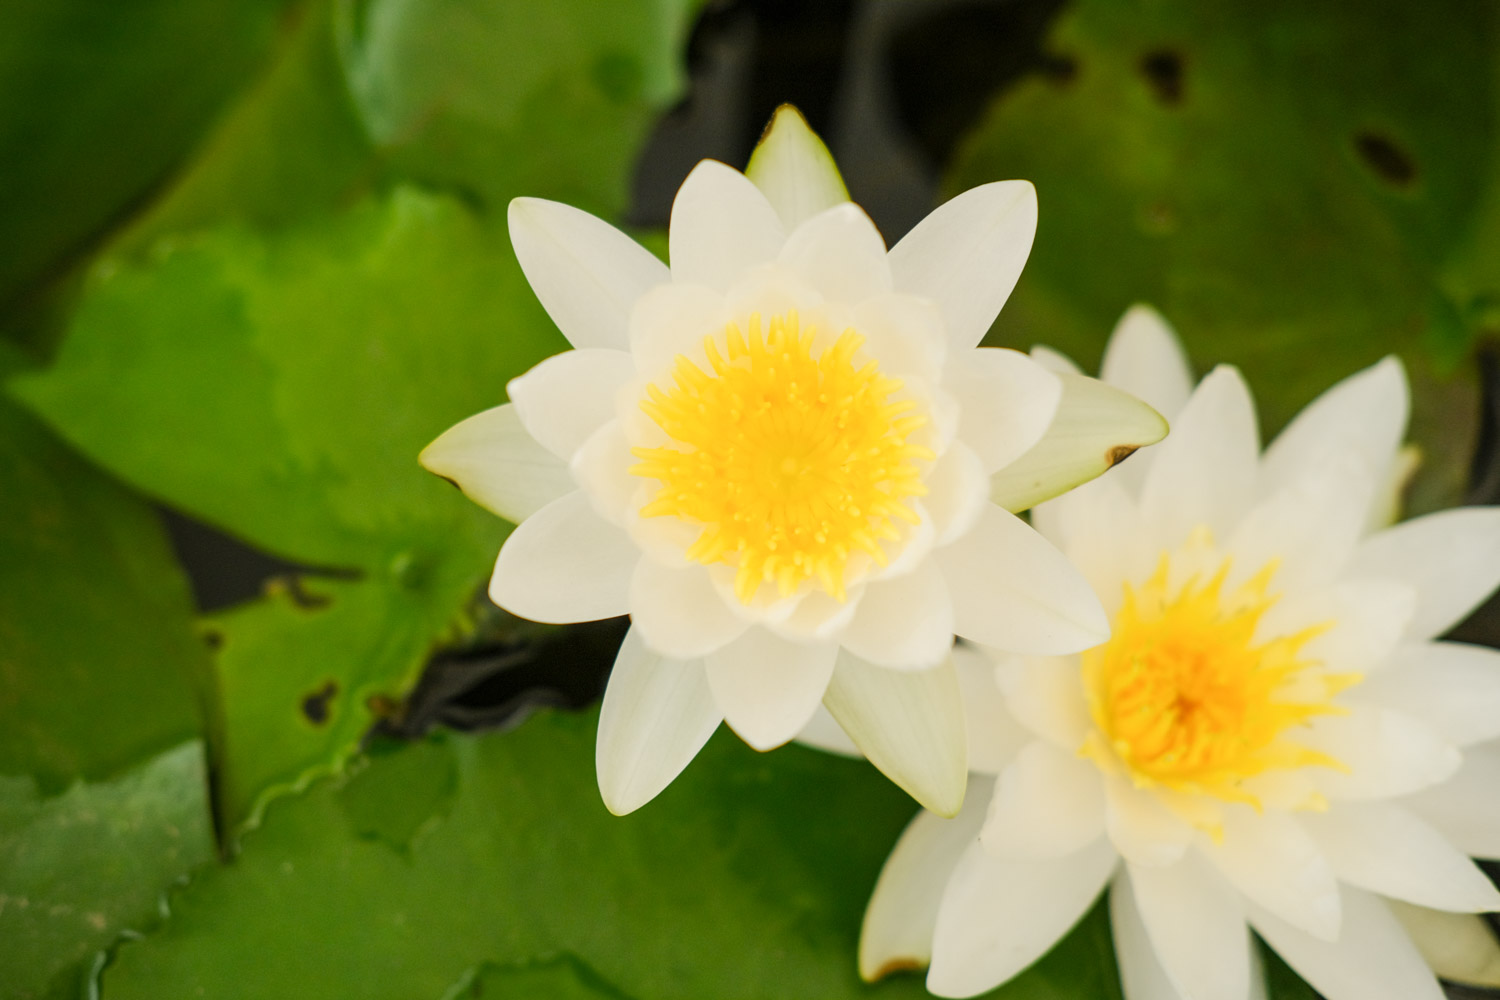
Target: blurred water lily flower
776	456
1271	739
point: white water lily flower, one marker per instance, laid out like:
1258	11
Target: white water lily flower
1271	740
775	456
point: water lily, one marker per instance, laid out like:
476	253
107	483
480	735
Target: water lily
776	457
1272	739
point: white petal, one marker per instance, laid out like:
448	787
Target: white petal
794	170
1384	848
497	464
1204	472
956	493
586	273
565	564
1372	958
1460	947
1451	686
1452	558
674	320
909	723
997	917
1096	428
601	468
1363	416
1047	803
657	714
1194	921
898	924
721	226
1273	861
1045	694
1466	808
1098	526
840	253
906	623
1141	974
768	687
1006	402
1387	753
1369	617
967	255
1145	358
815	615
678	613
1014	591
1054	361
995	737
905	334
1141	827
568	397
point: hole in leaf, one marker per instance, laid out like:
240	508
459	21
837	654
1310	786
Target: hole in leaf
315	705
1162	69
1389	161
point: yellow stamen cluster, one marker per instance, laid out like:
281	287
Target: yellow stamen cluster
791	461
1184	697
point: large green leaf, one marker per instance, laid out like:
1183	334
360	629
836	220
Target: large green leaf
98	657
99	102
79	869
280	388
1286	181
746	878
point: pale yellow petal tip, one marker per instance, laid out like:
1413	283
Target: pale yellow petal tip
794	168
873	972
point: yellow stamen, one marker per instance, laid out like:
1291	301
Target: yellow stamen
792	461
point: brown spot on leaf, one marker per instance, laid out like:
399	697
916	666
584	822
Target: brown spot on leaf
315	705
1120	453
1386	159
1162	69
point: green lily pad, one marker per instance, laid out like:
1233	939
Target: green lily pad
1273	177
746	878
99	663
82	868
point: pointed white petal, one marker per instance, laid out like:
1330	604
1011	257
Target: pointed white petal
670	320
601	468
1452	686
1364	416
1387	752
997	917
841	254
497	464
565	564
586	273
1047	803
1145	358
768	687
721	227
1096	427
678	612
905	334
1460	947
1384	848
1012	590
995	737
1143	830
956	493
1054	361
1204	472
1452	558
1273	861
1045	694
1196	927
1465	808
967	255
657	714
905	623
1369	615
1006	402
1372	958
1141	974
909	723
794	169
1098	526
898	924
568	397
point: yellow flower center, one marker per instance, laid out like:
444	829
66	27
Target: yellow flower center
1185	697
792	461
